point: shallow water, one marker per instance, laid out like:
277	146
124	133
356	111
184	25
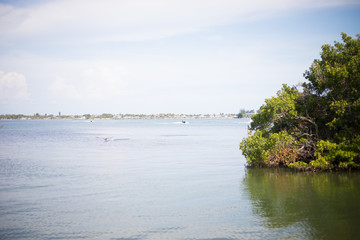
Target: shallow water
159	179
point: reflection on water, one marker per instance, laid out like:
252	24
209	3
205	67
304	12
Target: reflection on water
326	205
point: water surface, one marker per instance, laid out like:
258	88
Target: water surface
159	179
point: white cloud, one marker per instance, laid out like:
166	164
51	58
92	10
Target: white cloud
61	89
102	83
12	86
112	20
98	83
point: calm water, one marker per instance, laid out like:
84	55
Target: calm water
160	179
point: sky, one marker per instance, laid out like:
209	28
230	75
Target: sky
160	56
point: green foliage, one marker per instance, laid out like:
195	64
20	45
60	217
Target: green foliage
254	148
267	151
276	110
87	116
245	113
299	165
320	164
336	79
241	114
341	154
106	115
12	116
36	116
319	127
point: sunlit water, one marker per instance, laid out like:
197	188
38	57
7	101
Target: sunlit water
159	179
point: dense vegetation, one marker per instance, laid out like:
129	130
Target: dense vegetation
317	127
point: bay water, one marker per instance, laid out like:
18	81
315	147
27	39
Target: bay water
160	179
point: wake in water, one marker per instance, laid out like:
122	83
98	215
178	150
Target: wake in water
107	139
181	122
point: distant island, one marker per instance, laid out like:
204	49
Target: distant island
38	116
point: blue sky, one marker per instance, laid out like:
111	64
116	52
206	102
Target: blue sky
159	56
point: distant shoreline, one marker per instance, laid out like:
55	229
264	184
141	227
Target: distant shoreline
116	116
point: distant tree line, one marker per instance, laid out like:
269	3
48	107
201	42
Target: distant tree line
244	113
51	116
12	116
38	116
